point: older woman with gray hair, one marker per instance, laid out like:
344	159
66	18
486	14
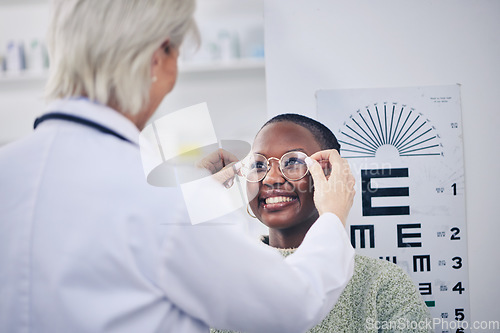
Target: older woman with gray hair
86	245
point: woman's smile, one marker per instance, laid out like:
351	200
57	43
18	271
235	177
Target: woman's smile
277	200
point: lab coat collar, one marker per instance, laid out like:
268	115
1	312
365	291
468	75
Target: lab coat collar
101	114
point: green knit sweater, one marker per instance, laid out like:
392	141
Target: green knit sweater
380	297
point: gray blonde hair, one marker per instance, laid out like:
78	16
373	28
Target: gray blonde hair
102	49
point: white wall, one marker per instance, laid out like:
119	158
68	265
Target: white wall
393	43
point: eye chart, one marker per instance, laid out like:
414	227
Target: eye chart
404	146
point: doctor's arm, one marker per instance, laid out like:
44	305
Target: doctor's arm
227	280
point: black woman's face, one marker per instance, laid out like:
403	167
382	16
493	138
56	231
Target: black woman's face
278	202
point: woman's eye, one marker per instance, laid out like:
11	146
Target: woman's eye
257	166
294	161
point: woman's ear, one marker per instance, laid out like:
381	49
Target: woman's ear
155	63
160	52
166	46
158	57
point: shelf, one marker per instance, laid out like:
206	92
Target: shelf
23	77
22	2
184	67
222	65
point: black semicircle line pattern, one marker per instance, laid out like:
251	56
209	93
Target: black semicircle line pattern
365	132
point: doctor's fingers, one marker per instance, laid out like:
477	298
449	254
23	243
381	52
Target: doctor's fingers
345	175
217	160
330	160
227	157
226	175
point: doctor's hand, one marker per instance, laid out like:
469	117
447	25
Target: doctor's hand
222	165
335	192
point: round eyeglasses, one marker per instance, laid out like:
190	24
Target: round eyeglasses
292	165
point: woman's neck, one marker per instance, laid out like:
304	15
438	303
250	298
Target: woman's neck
292	237
139	119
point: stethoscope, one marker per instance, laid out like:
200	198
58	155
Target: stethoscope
79	120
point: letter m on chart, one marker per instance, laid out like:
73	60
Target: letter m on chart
362	239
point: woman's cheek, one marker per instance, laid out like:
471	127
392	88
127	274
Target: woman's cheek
303	186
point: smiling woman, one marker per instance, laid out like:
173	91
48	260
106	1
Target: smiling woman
379	291
285	206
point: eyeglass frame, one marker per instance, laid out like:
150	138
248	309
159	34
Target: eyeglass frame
269	166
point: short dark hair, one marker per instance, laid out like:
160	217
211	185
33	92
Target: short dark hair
321	133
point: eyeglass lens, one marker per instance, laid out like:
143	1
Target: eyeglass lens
292	165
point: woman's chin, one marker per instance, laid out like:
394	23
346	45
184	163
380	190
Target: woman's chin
278	219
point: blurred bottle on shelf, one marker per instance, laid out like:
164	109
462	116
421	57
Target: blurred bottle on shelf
19	60
228	45
3	63
15	60
36	60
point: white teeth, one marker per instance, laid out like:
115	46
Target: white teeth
273	200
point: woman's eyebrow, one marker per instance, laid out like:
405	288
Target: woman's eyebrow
294	149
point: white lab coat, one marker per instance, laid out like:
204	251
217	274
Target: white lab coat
86	245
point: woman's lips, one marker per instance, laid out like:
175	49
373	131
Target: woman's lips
276	203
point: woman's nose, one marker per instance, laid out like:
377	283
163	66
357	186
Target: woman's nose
274	175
